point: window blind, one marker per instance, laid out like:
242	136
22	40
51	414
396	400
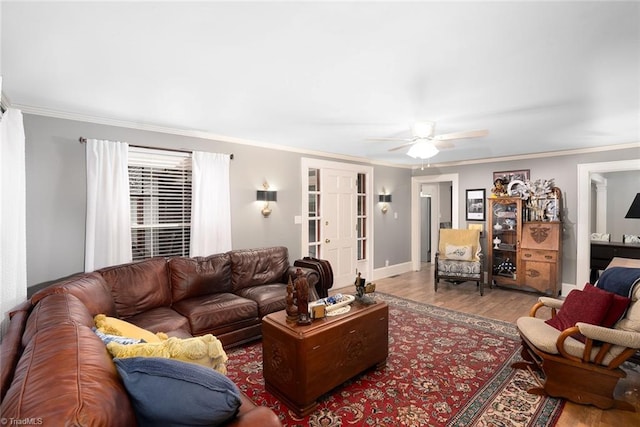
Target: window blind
160	195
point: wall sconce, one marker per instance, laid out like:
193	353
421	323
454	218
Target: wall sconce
266	196
634	209
385	199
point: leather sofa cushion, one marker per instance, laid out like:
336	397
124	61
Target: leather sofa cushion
208	312
254	267
161	319
90	288
66	373
192	277
139	286
11	348
53	311
270	298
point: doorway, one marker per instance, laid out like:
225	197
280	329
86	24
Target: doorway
417	183
428	195
583	233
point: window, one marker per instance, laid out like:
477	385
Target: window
362	217
160	195
314	213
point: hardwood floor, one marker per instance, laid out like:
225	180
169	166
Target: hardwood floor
508	305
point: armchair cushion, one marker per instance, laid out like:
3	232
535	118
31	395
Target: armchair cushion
545	337
579	306
614	336
463	269
459	237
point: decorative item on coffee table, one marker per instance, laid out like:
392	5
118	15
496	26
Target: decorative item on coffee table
291	308
363	289
302	298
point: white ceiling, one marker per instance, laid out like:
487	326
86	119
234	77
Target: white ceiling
325	76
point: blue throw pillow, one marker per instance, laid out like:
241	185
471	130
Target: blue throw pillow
167	392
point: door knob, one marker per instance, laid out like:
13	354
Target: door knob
327	240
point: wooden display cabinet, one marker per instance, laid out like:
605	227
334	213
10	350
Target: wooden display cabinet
524	254
503	244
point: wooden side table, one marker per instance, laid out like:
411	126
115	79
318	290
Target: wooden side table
301	363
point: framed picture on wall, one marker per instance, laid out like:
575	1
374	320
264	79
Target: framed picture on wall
508	176
476	205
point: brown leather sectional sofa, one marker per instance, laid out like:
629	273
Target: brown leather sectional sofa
55	369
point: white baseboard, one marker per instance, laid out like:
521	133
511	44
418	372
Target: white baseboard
392	270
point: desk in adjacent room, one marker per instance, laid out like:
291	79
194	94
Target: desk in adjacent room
603	252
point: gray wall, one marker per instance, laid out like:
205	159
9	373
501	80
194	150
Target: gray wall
56	195
563	169
392	231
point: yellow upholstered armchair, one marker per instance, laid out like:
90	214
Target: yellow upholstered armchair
459	257
581	360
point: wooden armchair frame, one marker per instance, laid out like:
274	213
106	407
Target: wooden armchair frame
585	379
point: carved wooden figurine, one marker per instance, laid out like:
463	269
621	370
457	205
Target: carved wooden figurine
302	294
292	308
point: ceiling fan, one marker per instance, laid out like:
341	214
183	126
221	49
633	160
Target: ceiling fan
425	144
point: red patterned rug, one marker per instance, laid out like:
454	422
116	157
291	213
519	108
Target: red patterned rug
445	368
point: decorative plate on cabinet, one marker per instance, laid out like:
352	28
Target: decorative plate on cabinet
516	188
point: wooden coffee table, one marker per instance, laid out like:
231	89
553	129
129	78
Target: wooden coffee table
301	363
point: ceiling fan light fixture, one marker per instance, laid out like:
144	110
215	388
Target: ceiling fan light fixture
423	150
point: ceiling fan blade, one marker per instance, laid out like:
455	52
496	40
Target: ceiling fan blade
461	135
402	146
442	145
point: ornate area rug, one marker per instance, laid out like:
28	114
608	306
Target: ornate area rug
445	368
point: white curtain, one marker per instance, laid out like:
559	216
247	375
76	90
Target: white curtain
13	236
108	226
210	204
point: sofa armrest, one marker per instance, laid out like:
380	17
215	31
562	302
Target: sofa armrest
250	415
259	416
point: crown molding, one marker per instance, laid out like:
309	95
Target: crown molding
541	155
222	138
193	133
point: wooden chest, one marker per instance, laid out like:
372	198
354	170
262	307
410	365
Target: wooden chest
301	363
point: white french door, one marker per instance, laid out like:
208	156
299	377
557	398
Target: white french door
338	226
